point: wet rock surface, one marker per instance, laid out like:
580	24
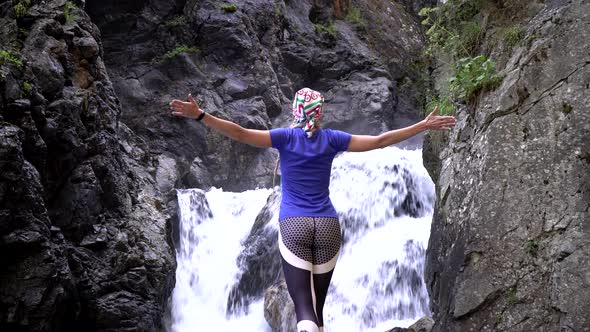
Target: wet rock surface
509	245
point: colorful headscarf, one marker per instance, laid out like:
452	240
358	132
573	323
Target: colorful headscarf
307	109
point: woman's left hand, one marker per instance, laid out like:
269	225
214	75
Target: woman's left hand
437	122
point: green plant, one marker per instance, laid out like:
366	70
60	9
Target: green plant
330	30
27	89
531	247
21	7
228	8
70	17
175	22
473	75
9	57
179	49
22	33
511	296
454	27
567	108
354	16
513	36
445	105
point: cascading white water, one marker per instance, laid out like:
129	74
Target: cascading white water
378	279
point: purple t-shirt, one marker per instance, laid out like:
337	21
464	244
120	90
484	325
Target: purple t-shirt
305	167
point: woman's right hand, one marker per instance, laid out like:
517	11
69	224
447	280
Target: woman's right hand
188	109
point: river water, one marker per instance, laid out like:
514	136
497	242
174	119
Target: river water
384	199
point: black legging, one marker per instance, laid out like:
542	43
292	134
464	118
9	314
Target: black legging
309	247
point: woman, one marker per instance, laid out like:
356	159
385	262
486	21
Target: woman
309	231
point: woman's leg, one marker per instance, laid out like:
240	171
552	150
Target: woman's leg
295	244
327	241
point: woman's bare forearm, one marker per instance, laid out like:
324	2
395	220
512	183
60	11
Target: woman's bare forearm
398	135
226	128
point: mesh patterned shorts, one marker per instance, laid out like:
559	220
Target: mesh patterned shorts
307	242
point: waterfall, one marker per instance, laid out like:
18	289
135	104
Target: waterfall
228	242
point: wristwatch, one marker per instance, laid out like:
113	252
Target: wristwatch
201	116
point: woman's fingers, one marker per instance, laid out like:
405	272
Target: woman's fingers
192	99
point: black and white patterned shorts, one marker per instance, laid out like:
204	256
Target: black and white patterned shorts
313	239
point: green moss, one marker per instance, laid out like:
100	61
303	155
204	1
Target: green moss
228	8
176	22
70	17
9	57
329	30
354	16
531	247
513	36
473	75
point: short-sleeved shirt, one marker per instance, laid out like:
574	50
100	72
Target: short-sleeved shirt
306	163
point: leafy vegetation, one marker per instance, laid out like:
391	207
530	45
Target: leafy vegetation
228	8
445	106
354	16
9	57
453	27
20	8
567	108
27	90
511	296
513	36
175	22
179	49
531	247
70	17
473	75
330	30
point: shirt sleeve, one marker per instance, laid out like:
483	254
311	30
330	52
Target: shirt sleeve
340	140
279	137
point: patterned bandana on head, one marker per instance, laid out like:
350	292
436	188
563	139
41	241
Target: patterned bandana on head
307	109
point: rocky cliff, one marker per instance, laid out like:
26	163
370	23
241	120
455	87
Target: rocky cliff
244	61
83	228
510	245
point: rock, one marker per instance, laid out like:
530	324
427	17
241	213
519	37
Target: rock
260	260
279	310
166	173
257	89
508	249
81	216
424	324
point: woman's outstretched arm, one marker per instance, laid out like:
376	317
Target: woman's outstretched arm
433	121
190	109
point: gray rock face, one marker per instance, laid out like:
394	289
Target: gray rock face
246	67
509	249
83	229
279	310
